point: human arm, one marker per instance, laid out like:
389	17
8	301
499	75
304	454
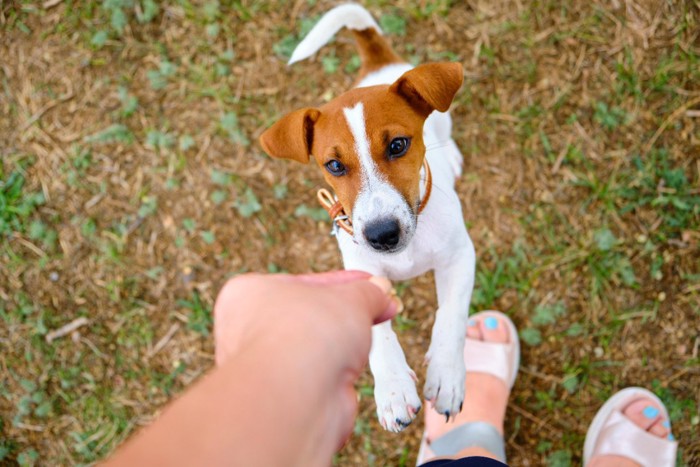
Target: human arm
289	349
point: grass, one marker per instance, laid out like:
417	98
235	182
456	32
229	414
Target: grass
132	186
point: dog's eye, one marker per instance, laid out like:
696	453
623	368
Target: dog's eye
398	147
336	168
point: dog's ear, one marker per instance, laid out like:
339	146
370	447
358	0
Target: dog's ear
431	86
292	136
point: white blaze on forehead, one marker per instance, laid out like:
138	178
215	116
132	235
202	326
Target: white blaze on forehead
355	117
377	199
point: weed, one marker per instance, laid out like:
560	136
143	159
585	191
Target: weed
149	205
286	46
118	19
657	184
186	142
559	458
247	204
488	54
212	30
317	214
16	206
402	323
548	314
218	196
393	25
154	272
189	224
229	124
570	383
531	336
160	140
629	82
330	63
40	231
76	168
353	64
280	190
159	78
443	55
99	39
219	177
165	382
606	262
505	273
527	120
118	11
129	102
117	133
200	318
6	448
426	9
208	236
609	117
223	63
34	403
27	457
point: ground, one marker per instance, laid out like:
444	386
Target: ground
132	186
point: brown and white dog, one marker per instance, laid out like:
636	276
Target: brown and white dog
385	147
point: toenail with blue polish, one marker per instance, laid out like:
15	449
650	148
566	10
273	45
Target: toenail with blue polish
671	437
471	323
666	424
650	412
490	322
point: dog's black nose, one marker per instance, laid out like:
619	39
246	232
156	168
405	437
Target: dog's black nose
383	235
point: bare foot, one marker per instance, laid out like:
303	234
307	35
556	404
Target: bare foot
646	414
486	396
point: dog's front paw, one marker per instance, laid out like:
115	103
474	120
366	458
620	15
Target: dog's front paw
444	383
397	400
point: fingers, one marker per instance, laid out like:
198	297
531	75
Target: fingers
247	303
374	296
379	308
327	278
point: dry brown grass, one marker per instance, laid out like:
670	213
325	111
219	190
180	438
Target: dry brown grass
546	182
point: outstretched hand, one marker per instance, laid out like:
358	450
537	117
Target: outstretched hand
311	334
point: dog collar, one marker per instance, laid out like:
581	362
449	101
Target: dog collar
340	218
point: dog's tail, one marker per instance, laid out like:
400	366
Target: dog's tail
375	52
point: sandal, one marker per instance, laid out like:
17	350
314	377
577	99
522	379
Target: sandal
612	433
494	358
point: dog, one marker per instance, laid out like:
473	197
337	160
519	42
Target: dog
385	148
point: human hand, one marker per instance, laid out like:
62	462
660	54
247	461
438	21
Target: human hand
311	337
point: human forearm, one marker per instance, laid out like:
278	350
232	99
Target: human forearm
241	413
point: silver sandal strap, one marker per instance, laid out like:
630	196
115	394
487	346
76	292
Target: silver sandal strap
473	434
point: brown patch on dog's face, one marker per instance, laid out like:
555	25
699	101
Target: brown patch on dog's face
387	116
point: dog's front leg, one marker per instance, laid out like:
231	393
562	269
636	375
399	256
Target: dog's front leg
394	381
454	280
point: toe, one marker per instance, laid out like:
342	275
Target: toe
473	329
660	428
493	329
645	413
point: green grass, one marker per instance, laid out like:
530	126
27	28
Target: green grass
17	204
133	218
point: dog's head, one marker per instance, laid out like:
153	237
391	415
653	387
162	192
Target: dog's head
369	144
